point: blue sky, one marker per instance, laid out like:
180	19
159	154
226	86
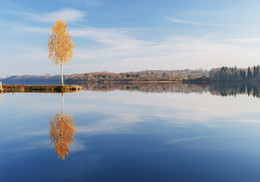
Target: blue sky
130	35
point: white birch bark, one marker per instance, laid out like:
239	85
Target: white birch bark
62	75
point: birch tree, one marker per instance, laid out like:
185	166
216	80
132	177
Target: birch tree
60	45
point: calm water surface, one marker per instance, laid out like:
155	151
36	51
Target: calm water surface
129	135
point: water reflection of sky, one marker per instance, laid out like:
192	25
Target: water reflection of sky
134	133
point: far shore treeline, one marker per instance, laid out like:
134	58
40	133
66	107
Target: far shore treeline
250	74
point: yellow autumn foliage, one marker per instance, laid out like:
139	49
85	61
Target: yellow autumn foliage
62	133
60	45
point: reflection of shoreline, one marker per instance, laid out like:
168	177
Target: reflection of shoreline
234	88
147	87
216	88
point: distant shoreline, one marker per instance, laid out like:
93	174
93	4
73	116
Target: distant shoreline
223	74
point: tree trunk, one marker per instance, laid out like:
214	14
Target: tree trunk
62	103
62	83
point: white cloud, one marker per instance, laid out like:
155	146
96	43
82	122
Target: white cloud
77	146
174	20
244	40
21	13
33	29
117	124
85	2
68	14
186	139
112	37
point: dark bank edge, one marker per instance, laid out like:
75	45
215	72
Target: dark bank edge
42	88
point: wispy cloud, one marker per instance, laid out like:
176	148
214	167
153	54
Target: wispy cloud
69	15
174	20
185	139
21	13
110	36
244	120
244	40
85	2
33	29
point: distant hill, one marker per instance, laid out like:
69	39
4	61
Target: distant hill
149	75
32	80
141	76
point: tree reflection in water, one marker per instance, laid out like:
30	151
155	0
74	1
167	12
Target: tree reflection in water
220	88
62	132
